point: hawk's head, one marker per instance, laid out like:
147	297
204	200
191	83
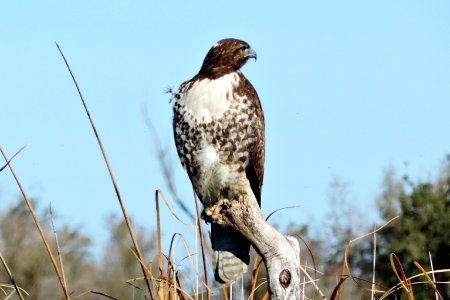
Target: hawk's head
226	56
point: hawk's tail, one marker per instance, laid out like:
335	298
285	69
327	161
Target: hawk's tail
231	253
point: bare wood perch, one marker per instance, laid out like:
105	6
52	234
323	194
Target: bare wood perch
279	252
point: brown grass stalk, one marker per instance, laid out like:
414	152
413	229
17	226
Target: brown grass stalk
253	291
424	272
305	272
186	247
58	249
338	288
256	264
346	265
313	281
119	198
103	294
15	154
95	293
171	210
202	245
399	285
39	227
225	292
181	293
158	233
169	283
279	209
372	292
169	271
432	269
396	266
11	278
170	294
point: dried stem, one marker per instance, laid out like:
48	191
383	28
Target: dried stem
11	278
158	232
15	154
202	243
119	198
58	249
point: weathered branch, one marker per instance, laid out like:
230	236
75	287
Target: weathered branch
280	253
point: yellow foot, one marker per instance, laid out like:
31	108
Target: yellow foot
214	212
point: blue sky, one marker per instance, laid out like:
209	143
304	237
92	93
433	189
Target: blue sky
348	89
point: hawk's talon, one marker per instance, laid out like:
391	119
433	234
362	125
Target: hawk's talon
204	216
240	199
213	213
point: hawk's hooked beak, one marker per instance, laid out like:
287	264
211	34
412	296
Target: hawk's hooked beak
250	53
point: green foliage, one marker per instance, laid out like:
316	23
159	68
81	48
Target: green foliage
423	228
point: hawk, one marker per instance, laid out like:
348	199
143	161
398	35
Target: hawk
218	127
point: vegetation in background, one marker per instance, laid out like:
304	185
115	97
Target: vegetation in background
422	233
23	250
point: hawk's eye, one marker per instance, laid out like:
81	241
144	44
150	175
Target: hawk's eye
242	49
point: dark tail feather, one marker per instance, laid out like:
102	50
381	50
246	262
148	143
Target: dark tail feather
231	253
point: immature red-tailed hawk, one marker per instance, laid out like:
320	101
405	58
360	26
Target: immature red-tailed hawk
218	125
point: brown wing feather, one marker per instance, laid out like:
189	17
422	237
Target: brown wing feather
255	168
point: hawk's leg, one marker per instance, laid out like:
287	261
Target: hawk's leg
213	213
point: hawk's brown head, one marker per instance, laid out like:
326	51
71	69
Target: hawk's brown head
226	56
